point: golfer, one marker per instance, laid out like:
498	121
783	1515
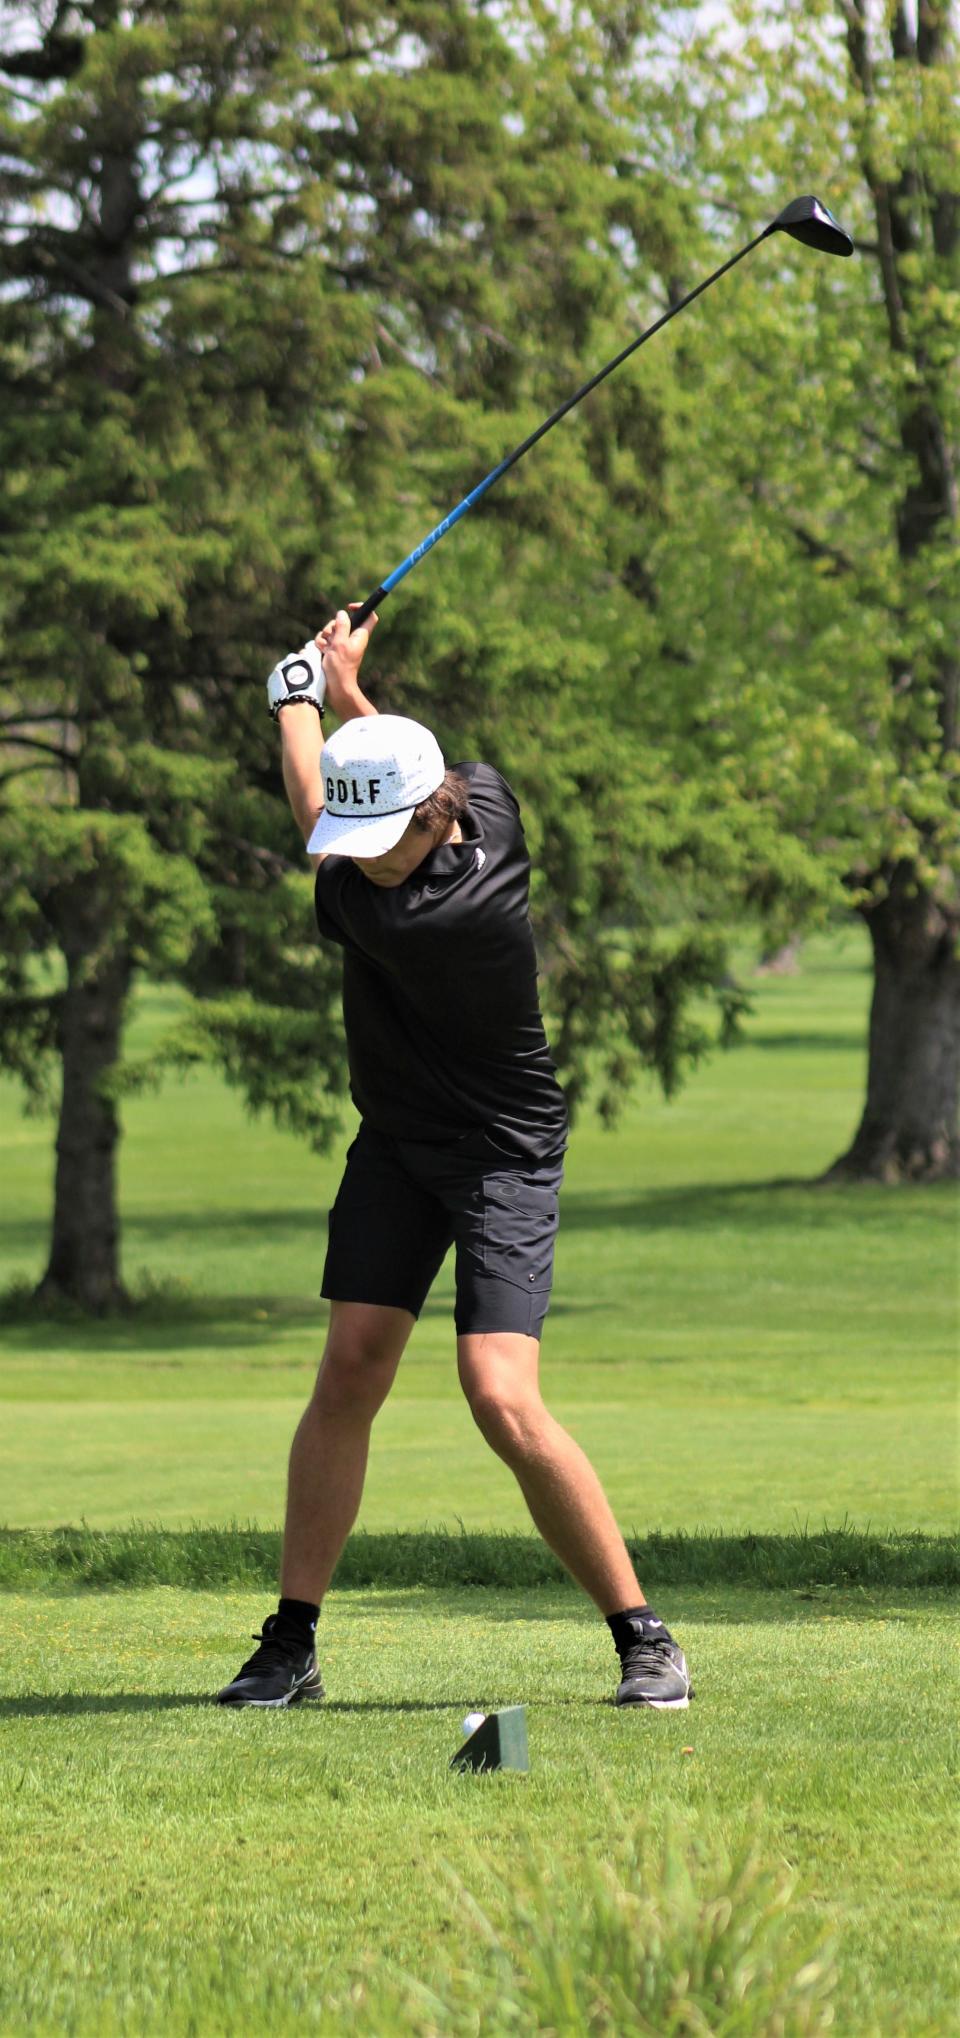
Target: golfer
423	881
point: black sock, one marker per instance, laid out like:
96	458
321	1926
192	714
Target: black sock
299	1616
633	1626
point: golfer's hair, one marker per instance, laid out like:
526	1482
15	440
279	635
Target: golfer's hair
448	803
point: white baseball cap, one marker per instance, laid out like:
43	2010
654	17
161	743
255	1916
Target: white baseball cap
376	770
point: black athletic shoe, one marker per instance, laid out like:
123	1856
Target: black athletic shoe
654	1672
280	1672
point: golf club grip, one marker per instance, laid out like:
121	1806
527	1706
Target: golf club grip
359	616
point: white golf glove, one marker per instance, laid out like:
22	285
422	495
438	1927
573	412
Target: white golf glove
299	677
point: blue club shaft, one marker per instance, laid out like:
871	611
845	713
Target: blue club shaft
446	523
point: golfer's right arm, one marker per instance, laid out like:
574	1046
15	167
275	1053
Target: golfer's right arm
301	734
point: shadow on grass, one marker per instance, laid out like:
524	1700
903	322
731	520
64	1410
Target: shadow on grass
693	1204
732	1606
158	1327
842	1041
224	1324
74	1704
168	1312
244	1226
69	1704
722	1204
689	1205
780	1204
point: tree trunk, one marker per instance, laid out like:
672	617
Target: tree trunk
781	962
909	1130
909	1127
84	1251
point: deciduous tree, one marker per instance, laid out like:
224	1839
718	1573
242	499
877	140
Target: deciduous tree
813	577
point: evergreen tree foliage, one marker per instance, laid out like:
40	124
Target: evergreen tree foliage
278	282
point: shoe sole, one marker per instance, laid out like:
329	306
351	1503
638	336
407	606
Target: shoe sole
658	1704
276	1704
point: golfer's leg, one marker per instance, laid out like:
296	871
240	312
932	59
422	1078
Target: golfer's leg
328	1458
499	1375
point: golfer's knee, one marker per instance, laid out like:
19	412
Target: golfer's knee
356	1372
511	1423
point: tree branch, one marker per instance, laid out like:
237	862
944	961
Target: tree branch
87	285
818	548
269	860
58	58
861	63
384	334
21	770
10	92
357	56
158	203
49	749
30	715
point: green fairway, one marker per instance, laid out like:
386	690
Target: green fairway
737	1351
789	1350
170	1868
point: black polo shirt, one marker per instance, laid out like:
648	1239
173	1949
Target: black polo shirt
442	1017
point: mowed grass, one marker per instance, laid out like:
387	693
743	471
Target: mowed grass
734	1348
172	1868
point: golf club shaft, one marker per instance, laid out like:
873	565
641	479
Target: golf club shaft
446	523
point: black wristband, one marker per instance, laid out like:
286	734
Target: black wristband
297	700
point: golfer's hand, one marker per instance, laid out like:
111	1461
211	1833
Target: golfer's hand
342	659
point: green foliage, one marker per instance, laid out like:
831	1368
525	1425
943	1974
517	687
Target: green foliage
295	256
811	549
281	282
272	1053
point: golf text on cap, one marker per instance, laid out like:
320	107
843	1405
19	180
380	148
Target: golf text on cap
340	792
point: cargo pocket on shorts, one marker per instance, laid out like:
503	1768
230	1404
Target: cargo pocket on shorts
519	1230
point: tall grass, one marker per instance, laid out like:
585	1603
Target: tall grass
654	1941
201	1558
658	1941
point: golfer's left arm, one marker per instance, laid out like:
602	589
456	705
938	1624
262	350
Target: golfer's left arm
301	748
301	734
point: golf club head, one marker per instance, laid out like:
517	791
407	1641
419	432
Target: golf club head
807	220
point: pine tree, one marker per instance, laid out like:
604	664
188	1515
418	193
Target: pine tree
279	280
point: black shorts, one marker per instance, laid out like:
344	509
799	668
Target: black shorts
401	1206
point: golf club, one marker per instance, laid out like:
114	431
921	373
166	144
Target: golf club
805	219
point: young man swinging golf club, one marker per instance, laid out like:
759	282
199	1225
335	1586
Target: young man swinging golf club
422	880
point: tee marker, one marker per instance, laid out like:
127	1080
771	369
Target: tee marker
500	1742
